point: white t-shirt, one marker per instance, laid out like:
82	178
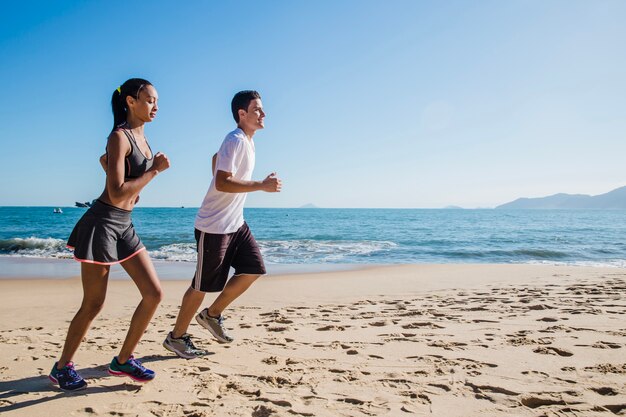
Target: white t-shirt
222	212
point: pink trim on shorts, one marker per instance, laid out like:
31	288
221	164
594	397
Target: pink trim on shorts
108	263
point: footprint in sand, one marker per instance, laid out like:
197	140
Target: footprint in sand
280	403
550	319
606	345
411	313
471	363
607	391
481	389
277	329
331	327
554	329
534	402
276	381
540	307
616	408
262	411
234	386
420	398
272	360
447	345
551	350
608	368
165	410
543	374
421	325
520	341
353	401
444	387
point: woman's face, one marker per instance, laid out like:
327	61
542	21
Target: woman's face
145	106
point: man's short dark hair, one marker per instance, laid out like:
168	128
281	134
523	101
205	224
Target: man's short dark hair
241	101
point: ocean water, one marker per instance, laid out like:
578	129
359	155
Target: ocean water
355	236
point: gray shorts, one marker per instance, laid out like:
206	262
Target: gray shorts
104	235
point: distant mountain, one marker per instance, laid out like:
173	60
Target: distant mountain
615	199
309	206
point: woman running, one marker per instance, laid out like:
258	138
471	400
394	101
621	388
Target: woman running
105	235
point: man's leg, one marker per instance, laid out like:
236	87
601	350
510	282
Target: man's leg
242	254
236	286
211	318
192	300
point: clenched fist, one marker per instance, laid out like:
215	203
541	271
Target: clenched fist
272	184
161	162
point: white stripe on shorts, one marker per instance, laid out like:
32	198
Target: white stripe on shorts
198	278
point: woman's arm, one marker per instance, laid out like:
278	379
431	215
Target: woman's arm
119	189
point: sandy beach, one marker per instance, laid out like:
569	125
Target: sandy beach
443	340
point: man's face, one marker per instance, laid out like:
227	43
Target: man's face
253	119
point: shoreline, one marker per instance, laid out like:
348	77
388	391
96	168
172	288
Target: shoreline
23	267
34	268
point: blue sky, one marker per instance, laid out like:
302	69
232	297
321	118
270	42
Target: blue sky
369	103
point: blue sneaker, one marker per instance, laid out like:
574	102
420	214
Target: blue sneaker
67	377
132	369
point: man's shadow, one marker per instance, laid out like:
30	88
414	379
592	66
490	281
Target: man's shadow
42	384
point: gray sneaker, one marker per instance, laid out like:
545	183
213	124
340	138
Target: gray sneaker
183	346
214	326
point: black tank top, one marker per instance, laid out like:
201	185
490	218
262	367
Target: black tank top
135	163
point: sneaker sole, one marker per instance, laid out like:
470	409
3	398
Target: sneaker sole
123	374
181	355
210	329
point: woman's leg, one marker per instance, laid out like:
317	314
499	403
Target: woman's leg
142	272
95	279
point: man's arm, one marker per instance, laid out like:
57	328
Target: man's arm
225	182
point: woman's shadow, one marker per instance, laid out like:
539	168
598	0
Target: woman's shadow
42	384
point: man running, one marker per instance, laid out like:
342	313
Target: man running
223	237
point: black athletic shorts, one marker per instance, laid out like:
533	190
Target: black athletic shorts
218	252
